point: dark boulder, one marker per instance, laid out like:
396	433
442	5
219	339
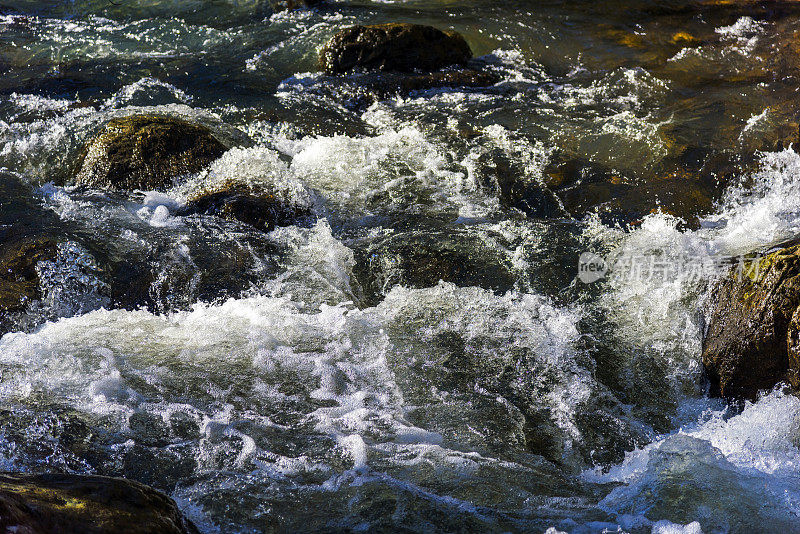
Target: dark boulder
238	202
393	47
752	341
146	152
86	504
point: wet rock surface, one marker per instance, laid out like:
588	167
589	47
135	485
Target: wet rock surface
86	504
260	209
146	152
393	47
51	267
28	235
752	339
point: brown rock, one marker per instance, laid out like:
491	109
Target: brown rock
752	339
86	504
146	152
393	47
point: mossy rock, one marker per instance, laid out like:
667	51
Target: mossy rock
751	343
86	504
238	202
146	152
19	281
393	47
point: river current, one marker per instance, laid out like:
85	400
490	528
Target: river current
319	377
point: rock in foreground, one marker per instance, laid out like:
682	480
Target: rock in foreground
753	337
393	47
146	152
86	504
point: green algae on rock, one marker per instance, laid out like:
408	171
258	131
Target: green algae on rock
393	47
752	339
146	152
86	504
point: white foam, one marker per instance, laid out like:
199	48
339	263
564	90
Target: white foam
765	436
763	212
147	91
744	33
667	527
319	266
39	103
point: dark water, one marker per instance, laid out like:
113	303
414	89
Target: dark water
321	377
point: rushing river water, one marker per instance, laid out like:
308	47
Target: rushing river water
320	377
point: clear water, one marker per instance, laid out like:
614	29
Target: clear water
296	381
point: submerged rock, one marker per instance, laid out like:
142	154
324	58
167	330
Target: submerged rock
359	90
19	280
86	504
681	187
146	152
262	210
503	177
422	259
393	47
753	338
379	86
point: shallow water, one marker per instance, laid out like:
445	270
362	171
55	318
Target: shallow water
321	377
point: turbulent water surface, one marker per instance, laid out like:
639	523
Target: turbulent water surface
321	377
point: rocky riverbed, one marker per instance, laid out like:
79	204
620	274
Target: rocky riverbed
332	266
